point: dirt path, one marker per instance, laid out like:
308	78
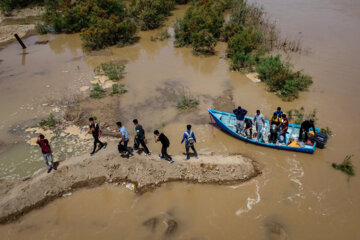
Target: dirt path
21	196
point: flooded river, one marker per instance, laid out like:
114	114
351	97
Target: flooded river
298	196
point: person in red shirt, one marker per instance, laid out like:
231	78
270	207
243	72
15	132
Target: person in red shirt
283	128
46	151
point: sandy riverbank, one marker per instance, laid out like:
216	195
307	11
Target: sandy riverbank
22	196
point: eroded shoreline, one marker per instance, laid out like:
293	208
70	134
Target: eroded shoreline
147	173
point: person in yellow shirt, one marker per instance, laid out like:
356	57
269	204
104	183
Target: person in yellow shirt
274	123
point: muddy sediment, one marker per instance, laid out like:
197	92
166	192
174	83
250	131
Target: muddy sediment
147	173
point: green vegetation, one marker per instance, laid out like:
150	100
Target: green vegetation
346	166
118	89
113	70
41	28
326	131
161	36
186	101
299	115
201	25
7	5
101	22
150	14
97	92
50	122
281	79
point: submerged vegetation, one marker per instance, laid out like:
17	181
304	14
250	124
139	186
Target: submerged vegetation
118	89
49	122
97	91
113	70
161	36
299	115
185	100
346	166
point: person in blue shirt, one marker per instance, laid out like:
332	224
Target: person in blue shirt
122	146
279	112
190	139
240	118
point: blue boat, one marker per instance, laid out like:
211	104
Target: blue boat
226	121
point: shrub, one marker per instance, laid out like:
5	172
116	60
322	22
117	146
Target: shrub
150	14
97	92
203	42
113	70
41	28
185	100
161	36
50	122
201	25
245	41
101	22
118	89
7	5
346	166
280	79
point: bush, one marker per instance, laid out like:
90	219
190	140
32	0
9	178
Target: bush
150	14
201	25
97	92
101	22
203	42
113	70
50	122
280	79
7	5
41	28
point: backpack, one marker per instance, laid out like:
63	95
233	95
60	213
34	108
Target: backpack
190	139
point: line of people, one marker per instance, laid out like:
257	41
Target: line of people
278	126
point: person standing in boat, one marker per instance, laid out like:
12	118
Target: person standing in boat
259	121
305	127
240	117
248	128
283	128
274	126
278	112
190	140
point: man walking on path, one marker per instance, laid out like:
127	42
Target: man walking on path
140	137
165	144
46	152
189	138
240	117
95	129
122	146
259	124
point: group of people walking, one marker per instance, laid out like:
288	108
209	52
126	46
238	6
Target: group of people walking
278	126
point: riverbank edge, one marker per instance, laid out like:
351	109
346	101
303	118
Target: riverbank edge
19	197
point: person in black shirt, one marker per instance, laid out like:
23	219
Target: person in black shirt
305	127
165	144
140	137
94	128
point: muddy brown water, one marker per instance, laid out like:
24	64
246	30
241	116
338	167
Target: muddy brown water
298	196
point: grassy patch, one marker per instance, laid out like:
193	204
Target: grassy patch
49	122
161	36
346	166
326	131
97	91
118	89
113	71
299	115
186	101
281	79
